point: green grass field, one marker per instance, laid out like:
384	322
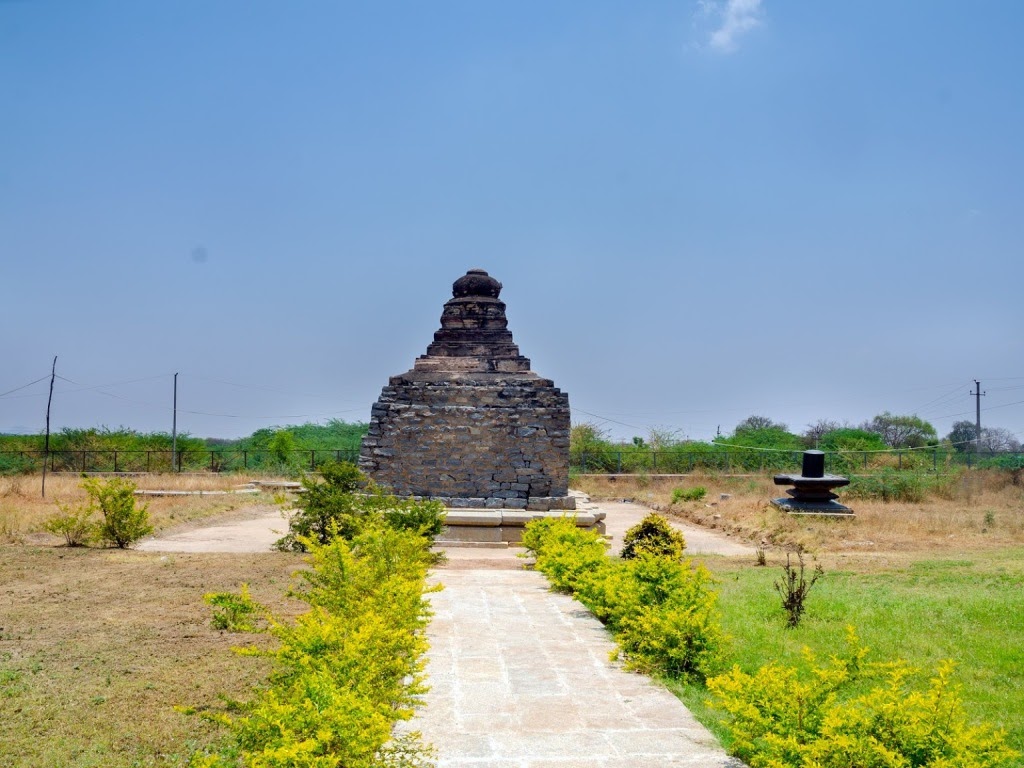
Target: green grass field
969	609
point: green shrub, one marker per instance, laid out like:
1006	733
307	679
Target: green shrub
564	552
697	493
653	535
345	502
346	670
671	626
76	525
123	523
846	713
661	610
234	613
888	485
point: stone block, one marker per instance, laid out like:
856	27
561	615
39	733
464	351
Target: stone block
485	518
518	517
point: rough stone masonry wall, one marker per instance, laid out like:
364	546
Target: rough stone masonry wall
471	424
500	444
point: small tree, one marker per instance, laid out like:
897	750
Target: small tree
123	523
754	423
282	446
963	436
818	430
901	431
998	439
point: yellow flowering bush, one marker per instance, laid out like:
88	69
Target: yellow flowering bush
346	670
846	713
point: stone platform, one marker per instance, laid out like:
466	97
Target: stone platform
506	525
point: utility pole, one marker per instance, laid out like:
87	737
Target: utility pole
977	394
174	428
46	446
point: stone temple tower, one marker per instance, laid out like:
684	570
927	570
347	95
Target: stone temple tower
471	425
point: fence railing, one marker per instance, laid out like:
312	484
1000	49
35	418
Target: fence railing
610	461
738	460
217	460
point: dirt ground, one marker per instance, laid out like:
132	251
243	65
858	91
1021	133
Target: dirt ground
97	647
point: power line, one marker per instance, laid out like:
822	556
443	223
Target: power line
613	421
25	386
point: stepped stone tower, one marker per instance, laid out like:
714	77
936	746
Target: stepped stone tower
471	425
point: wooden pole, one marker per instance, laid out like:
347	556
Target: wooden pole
46	445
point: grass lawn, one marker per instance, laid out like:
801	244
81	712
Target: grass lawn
968	608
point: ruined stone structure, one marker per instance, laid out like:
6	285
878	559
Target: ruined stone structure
471	424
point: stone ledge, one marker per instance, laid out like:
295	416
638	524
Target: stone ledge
531	504
497	525
500	517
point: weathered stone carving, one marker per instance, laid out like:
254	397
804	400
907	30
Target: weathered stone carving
471	424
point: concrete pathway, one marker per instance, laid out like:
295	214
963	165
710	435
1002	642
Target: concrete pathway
520	677
264	524
250	534
620	515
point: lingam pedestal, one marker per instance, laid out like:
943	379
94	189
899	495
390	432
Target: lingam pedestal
472	426
812	489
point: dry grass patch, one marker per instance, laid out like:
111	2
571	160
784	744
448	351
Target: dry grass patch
23	510
97	647
981	510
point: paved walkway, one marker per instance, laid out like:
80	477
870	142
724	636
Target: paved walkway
249	534
521	677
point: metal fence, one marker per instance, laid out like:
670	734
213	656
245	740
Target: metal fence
734	460
217	460
606	461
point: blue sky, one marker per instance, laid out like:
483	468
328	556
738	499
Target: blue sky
699	210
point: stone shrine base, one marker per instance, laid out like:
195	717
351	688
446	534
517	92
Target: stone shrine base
531	504
829	508
505	526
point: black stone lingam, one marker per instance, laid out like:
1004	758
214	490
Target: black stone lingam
812	489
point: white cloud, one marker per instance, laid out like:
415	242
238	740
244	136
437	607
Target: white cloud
737	17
